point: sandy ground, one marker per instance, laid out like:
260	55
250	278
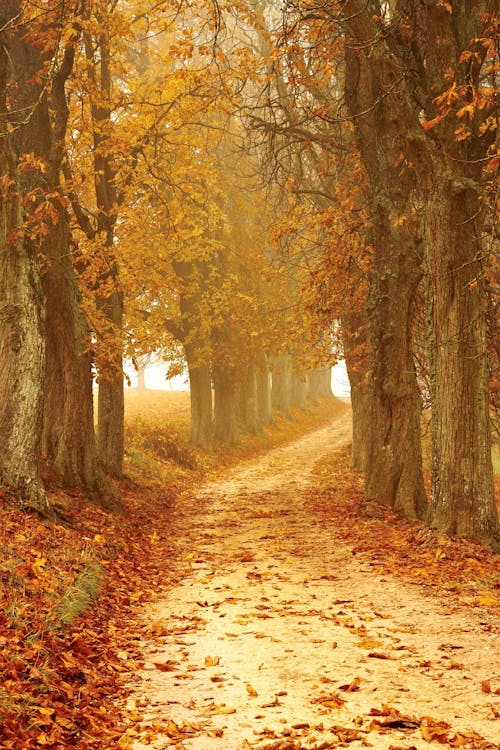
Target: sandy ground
277	636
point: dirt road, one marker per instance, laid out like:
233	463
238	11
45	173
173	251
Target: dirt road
278	637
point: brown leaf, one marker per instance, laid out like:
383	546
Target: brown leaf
434	733
380	655
329	701
346	734
167	666
460	739
351	687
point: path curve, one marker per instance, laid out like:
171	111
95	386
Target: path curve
277	636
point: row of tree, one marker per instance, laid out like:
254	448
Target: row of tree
404	96
130	223
251	186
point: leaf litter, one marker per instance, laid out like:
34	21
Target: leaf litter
287	582
300	590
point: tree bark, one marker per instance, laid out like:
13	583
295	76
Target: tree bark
299	391
22	346
68	424
445	46
111	395
200	386
249	418
226	397
192	276
141	380
282	382
264	398
394	461
319	383
68	429
463	500
355	334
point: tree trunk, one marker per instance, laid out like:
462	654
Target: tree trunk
282	382
226	397
394	460
110	426
299	391
68	426
463	500
200	384
355	334
249	419
111	396
361	404
319	383
264	398
141	380
192	277
111	403
22	347
68	431
394	467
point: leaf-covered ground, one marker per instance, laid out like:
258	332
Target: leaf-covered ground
70	594
267	608
304	619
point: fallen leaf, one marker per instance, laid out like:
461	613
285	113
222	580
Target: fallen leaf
329	701
223	709
351	687
368	643
346	734
212	661
380	655
251	690
167	666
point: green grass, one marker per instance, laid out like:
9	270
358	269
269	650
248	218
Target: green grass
78	596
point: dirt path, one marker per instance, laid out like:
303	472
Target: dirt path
277	636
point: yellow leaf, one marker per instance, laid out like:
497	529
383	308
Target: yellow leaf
251	691
468	109
44	711
212	661
223	709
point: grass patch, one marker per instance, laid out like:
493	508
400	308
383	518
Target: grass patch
162	441
79	595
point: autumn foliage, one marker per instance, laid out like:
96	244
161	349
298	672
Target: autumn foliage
247	192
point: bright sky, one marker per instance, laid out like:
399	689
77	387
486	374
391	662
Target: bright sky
155	378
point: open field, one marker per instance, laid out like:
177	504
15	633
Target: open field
170	407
